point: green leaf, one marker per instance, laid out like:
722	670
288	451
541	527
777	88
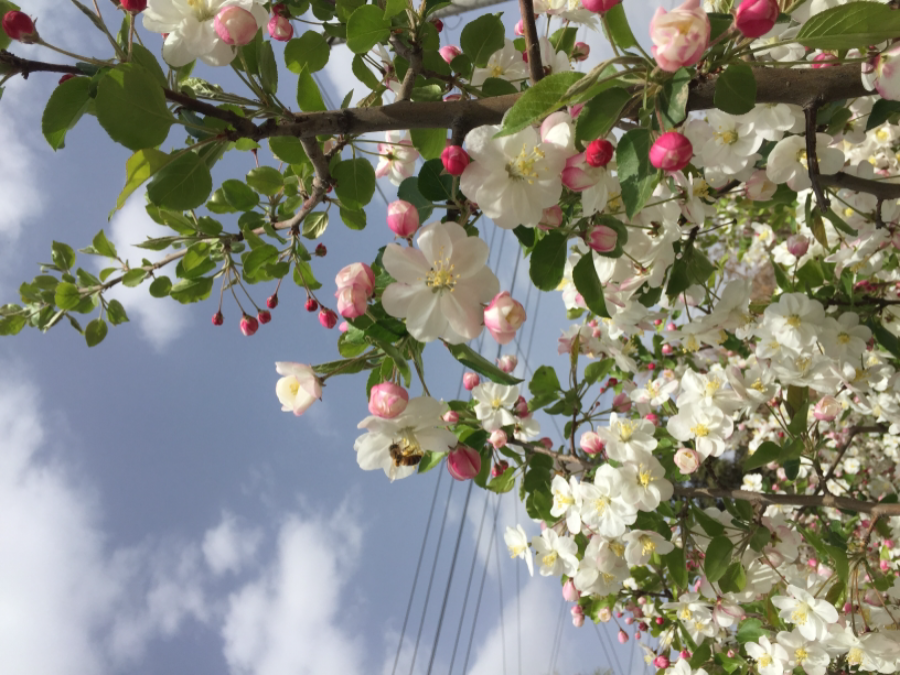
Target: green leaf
472	359
718	557
734	579
66	105
637	176
394	7
765	453
116	313
597	370
538	102
855	24
497	86
133	278
239	195
268	68
141	167
430	460
288	149
259	257
750	630
600	114
309	98
346	7
548	261
409	191
192	290
880	113
67	296
544	381
672	100
131	107
160	287
354	182
677	568
63	256
355	220
182	184
103	246
363	74
434	184
95	332
314	225
503	483
366	28
145	58
620	31
266	180
736	90
588	285
482	37
429	142
308	52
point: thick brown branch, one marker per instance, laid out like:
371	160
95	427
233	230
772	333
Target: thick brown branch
879	188
843	503
414	56
242	124
812	158
25	67
532	42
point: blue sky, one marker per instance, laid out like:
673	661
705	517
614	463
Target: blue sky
159	513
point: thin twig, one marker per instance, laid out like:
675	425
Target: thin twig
532	42
812	158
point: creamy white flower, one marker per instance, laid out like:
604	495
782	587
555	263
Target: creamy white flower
417	430
770	658
708	427
628	440
844	339
602	508
298	389
191	30
644	484
442	286
810	615
804	653
641	544
494	404
733	142
506	63
567	502
398	157
556	555
517	544
707	389
795	320
787	161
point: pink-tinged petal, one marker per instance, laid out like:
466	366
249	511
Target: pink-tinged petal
424	321
464	316
435	244
576	180
396	299
469	256
406	265
482	285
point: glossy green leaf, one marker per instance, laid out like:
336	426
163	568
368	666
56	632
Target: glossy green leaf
354	182
548	261
182	184
308	52
140	168
482	37
266	180
309	97
95	332
239	195
429	142
366	27
855	24
314	225
115	312
67	296
672	100
434	184
736	90
160	287
600	114
718	558
66	105
472	359
637	176
192	290
620	31
538	102
131	107
586	281
355	220
288	149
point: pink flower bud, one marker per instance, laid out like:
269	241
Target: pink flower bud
351	301
824	60
827	409
280	28
520	407
569	592
235	26
218	319
672	151
659	621
599	152
887	73
623	637
759	188
450	417
654	420
687	460
470	381
321	251
503	317
499	468
575	110
621	403
591	443
463	463
577	616
343	326
755	18
327	318
547	442
519	28
575	177
249	325
507	363
135	6
679	37
272	301
264	316
402	218
449	53
581	51
455	159
666	349
684	654
66	77
359	275
661	661
797	245
438	25
311	305
599	5
552	218
884	565
387	400
602	239
19	26
629	620
498	438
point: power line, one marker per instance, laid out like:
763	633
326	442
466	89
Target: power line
500	590
481	588
610	648
557	638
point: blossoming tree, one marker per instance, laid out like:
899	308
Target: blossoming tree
722	217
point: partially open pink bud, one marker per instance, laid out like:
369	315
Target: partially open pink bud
387	400
455	159
402	218
520	28
520	407
249	325
687	460
343	326
654	420
599	5
470	381
671	152
602	239
135	6
507	363
755	18
235	25
552	218
679	37
622	403
463	463
887	71
599	152
218	319
449	52
311	305
759	188
591	443
280	28
825	60
264	316
661	661
797	245
684	654
19	26
581	51
547	442
272	301
827	409
359	275
577	616
503	317
327	318
351	301
667	349
623	637
569	592
450	417
498	439
605	614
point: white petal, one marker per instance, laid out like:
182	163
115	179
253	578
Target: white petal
406	265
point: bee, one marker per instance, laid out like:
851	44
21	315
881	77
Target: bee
402	459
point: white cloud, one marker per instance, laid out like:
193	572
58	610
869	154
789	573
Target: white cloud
230	546
289	619
161	320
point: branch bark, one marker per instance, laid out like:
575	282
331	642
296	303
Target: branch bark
879	188
532	42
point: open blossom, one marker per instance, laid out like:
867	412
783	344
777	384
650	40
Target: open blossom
707	426
556	554
680	36
442	286
298	389
495	403
567	502
517	544
191	31
628	440
809	614
505	63
602	508
644	484
398	157
788	164
396	445
641	544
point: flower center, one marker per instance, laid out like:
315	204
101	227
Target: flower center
685	614
644	477
441	276
515	550
617	548
801	614
600	505
794	321
564	500
201	11
712	386
727	137
626	429
758	385
801	655
764	661
801	157
701	188
496	71
855	656
522	167
647	545
700	430
843	338
294	387
549	560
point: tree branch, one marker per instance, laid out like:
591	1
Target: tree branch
879	188
413	55
812	157
532	42
763	499
25	67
